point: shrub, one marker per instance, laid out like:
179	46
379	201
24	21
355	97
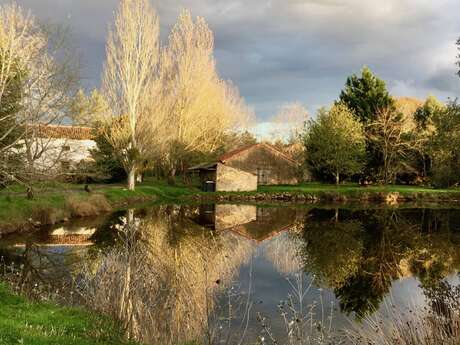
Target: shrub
92	206
45	215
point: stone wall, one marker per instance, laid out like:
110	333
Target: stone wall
280	169
229	179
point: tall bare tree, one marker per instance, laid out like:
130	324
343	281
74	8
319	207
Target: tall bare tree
387	133
198	106
48	90
129	72
38	74
20	42
290	122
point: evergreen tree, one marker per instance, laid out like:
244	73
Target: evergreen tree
107	162
365	95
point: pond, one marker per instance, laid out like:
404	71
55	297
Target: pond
245	274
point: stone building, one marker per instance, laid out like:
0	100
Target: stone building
246	168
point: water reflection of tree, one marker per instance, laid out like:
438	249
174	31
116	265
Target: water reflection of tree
40	272
387	239
284	253
163	280
360	254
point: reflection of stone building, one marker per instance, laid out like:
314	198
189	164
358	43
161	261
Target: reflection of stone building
63	236
246	168
249	221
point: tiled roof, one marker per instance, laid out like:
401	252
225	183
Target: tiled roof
204	166
64	132
229	155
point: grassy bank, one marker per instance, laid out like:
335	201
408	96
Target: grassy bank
24	322
56	202
354	190
326	193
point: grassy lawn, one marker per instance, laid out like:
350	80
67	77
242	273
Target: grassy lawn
55	201
52	200
161	190
28	323
352	188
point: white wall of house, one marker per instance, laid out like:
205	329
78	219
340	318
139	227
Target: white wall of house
63	153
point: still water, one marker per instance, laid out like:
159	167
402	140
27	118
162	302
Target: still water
241	274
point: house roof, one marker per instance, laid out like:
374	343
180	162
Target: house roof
232	154
204	166
250	231
64	132
235	153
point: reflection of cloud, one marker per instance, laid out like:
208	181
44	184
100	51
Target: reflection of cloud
284	253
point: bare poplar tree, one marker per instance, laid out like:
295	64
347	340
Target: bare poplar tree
290	121
198	107
129	72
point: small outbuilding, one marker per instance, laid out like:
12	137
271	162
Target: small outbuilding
246	168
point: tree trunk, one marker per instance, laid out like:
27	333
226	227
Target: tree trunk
337	178
424	165
132	179
172	176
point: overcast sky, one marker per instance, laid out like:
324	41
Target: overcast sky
280	51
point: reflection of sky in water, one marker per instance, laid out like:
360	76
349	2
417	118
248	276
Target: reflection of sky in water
274	258
268	287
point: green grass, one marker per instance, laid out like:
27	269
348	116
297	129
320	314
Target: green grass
160	190
351	188
51	197
29	323
16	209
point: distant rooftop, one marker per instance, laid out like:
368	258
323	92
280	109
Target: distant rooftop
229	155
64	132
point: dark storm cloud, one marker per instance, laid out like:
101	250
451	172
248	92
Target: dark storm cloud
280	51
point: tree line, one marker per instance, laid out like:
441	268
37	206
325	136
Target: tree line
162	107
372	137
159	106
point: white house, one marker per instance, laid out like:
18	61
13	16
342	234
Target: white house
60	147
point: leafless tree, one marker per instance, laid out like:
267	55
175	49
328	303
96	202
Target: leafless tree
388	135
50	86
20	43
290	122
197	106
129	72
38	74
